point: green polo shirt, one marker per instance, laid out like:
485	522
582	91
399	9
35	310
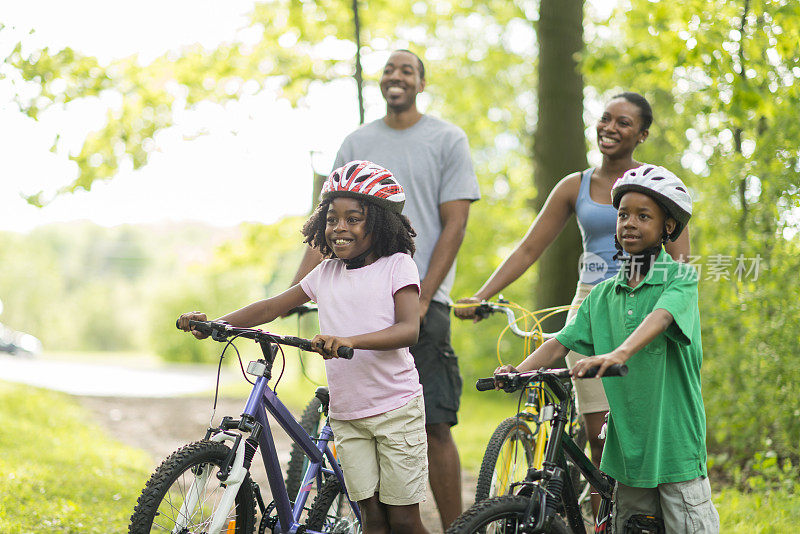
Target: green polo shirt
657	427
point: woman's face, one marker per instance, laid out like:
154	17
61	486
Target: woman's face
619	130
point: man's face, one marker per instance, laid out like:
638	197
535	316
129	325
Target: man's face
401	81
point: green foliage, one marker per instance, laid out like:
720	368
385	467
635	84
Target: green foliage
83	287
303	43
212	293
771	512
298	44
724	78
64	477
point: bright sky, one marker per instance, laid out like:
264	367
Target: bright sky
254	164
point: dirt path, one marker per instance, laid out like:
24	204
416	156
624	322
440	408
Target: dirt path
161	425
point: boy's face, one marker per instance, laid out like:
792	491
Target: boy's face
346	228
401	82
640	222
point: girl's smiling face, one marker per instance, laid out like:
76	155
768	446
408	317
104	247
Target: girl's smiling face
346	228
640	222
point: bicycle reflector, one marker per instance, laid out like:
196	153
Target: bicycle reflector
258	368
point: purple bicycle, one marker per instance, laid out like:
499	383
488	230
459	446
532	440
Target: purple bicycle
205	487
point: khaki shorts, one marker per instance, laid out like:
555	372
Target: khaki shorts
685	507
589	394
385	454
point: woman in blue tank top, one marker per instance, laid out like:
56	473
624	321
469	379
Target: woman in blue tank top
624	125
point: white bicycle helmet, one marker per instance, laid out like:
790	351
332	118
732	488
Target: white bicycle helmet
365	180
660	184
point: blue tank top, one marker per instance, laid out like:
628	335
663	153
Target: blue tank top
598	223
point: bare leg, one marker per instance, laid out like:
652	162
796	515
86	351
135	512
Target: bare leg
405	519
374	515
594	424
444	472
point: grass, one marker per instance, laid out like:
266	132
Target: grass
479	415
772	512
58	473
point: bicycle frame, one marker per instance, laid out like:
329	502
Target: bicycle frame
554	469
254	419
537	395
532	413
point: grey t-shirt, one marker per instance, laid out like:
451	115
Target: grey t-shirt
431	160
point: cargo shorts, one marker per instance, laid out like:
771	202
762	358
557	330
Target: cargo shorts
437	366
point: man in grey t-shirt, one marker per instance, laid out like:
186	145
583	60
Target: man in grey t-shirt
431	160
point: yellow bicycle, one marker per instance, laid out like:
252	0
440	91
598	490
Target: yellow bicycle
518	442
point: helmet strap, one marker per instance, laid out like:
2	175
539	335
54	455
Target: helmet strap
638	263
358	261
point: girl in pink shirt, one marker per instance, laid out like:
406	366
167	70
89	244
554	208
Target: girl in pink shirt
367	291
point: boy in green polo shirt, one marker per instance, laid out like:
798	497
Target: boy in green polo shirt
647	317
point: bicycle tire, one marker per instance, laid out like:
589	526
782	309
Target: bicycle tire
500	515
579	483
161	500
506	439
310	420
331	511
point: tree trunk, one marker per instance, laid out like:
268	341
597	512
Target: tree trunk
559	144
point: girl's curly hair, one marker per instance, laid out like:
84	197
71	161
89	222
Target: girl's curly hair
391	232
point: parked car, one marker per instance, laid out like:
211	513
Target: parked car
18	343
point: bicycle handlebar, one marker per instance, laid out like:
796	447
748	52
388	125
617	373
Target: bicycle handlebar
220	331
485	309
513	381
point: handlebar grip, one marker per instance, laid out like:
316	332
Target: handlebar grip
484	384
483	311
618	369
345	352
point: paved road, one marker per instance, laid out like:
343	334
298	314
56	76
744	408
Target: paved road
110	379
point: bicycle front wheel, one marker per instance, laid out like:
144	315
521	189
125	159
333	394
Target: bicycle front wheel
500	515
507	459
188	479
331	511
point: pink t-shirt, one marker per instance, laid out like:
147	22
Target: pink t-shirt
359	301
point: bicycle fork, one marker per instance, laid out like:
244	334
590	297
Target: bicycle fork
233	481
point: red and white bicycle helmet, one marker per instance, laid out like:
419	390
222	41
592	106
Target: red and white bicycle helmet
660	184
365	180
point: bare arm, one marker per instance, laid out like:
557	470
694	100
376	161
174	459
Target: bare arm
653	325
403	333
680	249
545	356
545	228
453	215
263	311
311	258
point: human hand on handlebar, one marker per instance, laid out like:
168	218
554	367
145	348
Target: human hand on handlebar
468	312
503	369
602	362
328	345
183	323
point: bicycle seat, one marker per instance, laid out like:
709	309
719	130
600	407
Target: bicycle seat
324	397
